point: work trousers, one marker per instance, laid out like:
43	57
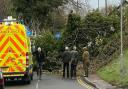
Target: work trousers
86	69
65	68
73	70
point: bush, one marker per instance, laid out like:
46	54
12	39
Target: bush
51	46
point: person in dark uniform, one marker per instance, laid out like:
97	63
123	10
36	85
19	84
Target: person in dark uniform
40	58
74	62
66	59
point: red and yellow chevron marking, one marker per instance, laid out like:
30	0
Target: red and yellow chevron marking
1	27
2	36
20	40
20	28
13	47
15	67
4	42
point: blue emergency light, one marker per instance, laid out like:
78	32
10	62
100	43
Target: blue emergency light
29	33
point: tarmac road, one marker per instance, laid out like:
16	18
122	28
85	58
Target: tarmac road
48	82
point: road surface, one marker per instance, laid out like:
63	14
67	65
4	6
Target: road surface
48	82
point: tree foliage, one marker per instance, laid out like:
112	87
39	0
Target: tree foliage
97	24
51	47
36	9
70	32
48	42
45	40
73	23
94	31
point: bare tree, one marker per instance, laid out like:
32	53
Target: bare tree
5	8
2	9
80	6
35	26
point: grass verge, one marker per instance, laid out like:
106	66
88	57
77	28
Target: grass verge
113	74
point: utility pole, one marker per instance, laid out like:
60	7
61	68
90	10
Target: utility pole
122	70
106	6
77	7
98	5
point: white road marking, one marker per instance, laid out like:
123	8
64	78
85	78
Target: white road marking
37	85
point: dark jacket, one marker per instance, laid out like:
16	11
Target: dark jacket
66	57
40	57
74	57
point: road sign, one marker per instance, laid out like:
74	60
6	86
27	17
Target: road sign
57	35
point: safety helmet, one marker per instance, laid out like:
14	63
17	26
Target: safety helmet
39	49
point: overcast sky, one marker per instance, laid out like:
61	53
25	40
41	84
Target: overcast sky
94	3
